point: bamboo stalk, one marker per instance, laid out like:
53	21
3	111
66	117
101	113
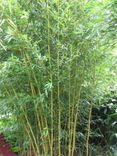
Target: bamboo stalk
40	127
51	79
91	106
69	120
70	114
88	132
58	85
75	122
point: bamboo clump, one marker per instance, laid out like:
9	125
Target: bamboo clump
52	71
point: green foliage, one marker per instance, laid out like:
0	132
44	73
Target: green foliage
55	66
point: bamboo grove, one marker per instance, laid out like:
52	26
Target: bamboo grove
48	60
